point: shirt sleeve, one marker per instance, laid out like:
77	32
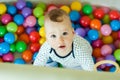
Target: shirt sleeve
84	54
42	55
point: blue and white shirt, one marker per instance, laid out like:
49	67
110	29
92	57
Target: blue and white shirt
79	58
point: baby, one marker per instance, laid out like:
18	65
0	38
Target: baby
63	45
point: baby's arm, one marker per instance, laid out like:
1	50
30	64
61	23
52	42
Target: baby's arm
42	56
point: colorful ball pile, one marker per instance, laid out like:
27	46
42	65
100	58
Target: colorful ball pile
22	30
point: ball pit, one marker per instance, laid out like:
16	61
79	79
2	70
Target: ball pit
22	31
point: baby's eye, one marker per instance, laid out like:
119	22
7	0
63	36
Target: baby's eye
53	36
65	33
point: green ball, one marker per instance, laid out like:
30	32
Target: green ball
38	11
12	27
3	31
117	54
106	19
21	46
12	48
41	20
42	5
87	9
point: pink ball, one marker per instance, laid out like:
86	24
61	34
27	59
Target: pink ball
97	43
30	21
106	50
106	9
105	30
6	18
9	57
51	7
117	43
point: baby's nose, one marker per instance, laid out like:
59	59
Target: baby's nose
61	40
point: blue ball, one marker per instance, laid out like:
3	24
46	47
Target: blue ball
9	37
115	25
12	10
34	56
19	19
74	15
29	4
93	34
4	47
19	61
112	69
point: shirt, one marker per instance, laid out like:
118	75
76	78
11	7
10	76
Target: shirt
79	58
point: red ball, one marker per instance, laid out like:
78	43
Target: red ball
97	43
114	15
34	36
85	21
99	13
34	47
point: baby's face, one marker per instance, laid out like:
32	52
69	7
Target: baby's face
59	36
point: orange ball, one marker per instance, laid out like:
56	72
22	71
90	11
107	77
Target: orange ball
95	24
114	35
1	60
27	55
24	37
20	30
96	52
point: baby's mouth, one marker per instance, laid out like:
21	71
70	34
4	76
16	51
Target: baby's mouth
62	46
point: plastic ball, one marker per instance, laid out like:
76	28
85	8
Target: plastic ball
24	37
26	12
9	57
115	25
107	39
110	57
20	30
30	21
97	43
34	47
34	36
19	61
11	27
106	30
95	24
85	21
114	15
6	18
112	69
34	56
105	9
3	31
117	54
28	30
12	48
27	55
20	4
87	9
9	37
98	13
41	20
42	5
93	34
74	15
29	4
106	19
42	40
65	8
51	7
106	50
37	12
76	5
1	39
4	47
42	32
96	53
21	46
117	43
80	31
18	19
3	8
12	10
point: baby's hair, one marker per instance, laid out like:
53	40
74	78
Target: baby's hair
57	15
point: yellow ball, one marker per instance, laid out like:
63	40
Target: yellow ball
42	32
107	39
42	40
65	8
3	8
76	5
